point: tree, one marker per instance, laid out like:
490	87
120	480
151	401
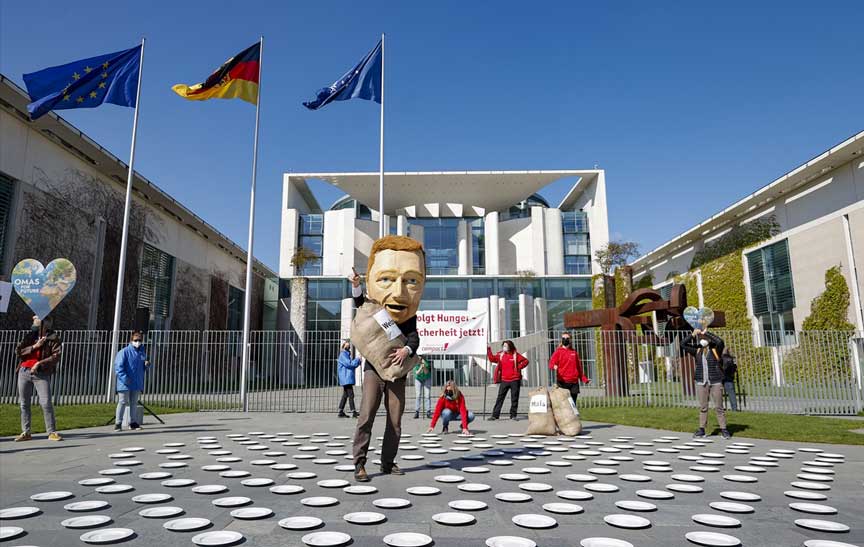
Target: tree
614	254
301	257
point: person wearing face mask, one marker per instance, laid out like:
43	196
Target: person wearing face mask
347	367
707	348
129	366
566	363
508	376
450	403
38	354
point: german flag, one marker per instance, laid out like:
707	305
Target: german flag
237	78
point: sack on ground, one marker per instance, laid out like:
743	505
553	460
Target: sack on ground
540	418
375	335
565	412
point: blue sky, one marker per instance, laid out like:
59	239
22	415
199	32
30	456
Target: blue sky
687	105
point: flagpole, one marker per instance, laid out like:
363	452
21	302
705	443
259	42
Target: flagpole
121	269
244	396
381	223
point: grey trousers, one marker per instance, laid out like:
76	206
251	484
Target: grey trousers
42	383
127	401
715	393
376	390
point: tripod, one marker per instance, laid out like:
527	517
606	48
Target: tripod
147	408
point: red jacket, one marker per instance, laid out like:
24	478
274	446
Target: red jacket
454	406
509	365
569	365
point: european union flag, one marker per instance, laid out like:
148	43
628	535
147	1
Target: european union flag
361	82
87	83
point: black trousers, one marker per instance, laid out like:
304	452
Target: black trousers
347	395
572	388
503	388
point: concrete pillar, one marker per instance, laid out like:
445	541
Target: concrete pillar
401	225
462	244
503	319
538	241
490	232
494	319
541	324
288	241
699	288
526	327
554	242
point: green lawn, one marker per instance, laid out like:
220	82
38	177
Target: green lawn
757	425
68	416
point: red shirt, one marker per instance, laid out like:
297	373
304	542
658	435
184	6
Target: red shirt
569	365
453	406
35	355
509	366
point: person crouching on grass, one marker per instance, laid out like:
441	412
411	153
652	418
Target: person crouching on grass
449	404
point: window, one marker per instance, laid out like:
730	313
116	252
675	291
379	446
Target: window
312	238
478	247
156	283
771	289
235	308
567	289
440	241
577	244
482	288
7	191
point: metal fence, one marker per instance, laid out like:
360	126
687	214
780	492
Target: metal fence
804	372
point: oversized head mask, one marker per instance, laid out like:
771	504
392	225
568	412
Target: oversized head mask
396	275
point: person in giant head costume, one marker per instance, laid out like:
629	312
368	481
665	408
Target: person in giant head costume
384	331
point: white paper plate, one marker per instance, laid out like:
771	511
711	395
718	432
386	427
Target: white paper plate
576	495
152	498
562	508
577	477
120	456
333	483
467	505
154	476
731	507
683	477
535	486
513	497
166	451
804	495
107	535
454	519
319	501
407	539
521	477
172	465
474	487
98	481
263	462
423	490
180	457
18	512
475	469
712	539
810	485
257	482
344	467
559	463
750	469
655	494
600	487
87	521
631	505
301	475
602	471
229	459
606	462
537	470
210	489
89	505
53	496
300	523
128	463
231	501
627	521
161	512
187	524
822	525
817	471
177	483
813	508
709	462
826	543
391	503
740	478
234	474
604	542
511	541
684	488
218	467
449	478
217	538
740	496
251	513
287	489
360	490
720	521
534	521
9	532
115	488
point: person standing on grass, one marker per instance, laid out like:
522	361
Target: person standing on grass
730	369
38	354
422	381
450	403
566	363
706	348
347	369
508	376
129	366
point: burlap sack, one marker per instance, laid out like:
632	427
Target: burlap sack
565	412
540	418
376	339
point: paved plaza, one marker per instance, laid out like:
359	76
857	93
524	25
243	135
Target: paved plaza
672	477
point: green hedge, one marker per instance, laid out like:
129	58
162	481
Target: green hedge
738	238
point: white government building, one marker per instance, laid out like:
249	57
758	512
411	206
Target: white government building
489	238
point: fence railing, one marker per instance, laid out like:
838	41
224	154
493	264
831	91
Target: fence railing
804	372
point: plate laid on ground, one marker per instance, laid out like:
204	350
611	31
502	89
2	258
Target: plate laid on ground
630	505
513	497
467	505
115	488
731	507
161	512
627	521
89	505
740	496
287	489
684	488
740	478
655	494
822	525
232	501
177	483
88	521
826	543
511	541
210	489
301	475
804	495
576	495
632	477
522	477
562	508
101	481
186	524
810	485
604	542
300	523
712	539
534	521
258	482
813	508
19	512
217	538
234	474
364	517
474	487
52	496
107	535
423	490
391	503
251	513
152	476
118	471
407	539
535	487
721	521
601	487
152	498
360	489
319	501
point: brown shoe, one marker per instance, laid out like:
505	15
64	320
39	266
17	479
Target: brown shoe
23	437
391	469
360	474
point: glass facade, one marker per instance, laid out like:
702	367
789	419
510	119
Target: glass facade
311	237
235	308
577	244
478	246
155	285
771	290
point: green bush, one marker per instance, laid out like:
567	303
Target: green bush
829	310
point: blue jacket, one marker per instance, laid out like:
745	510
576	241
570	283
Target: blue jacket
129	368
346	368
